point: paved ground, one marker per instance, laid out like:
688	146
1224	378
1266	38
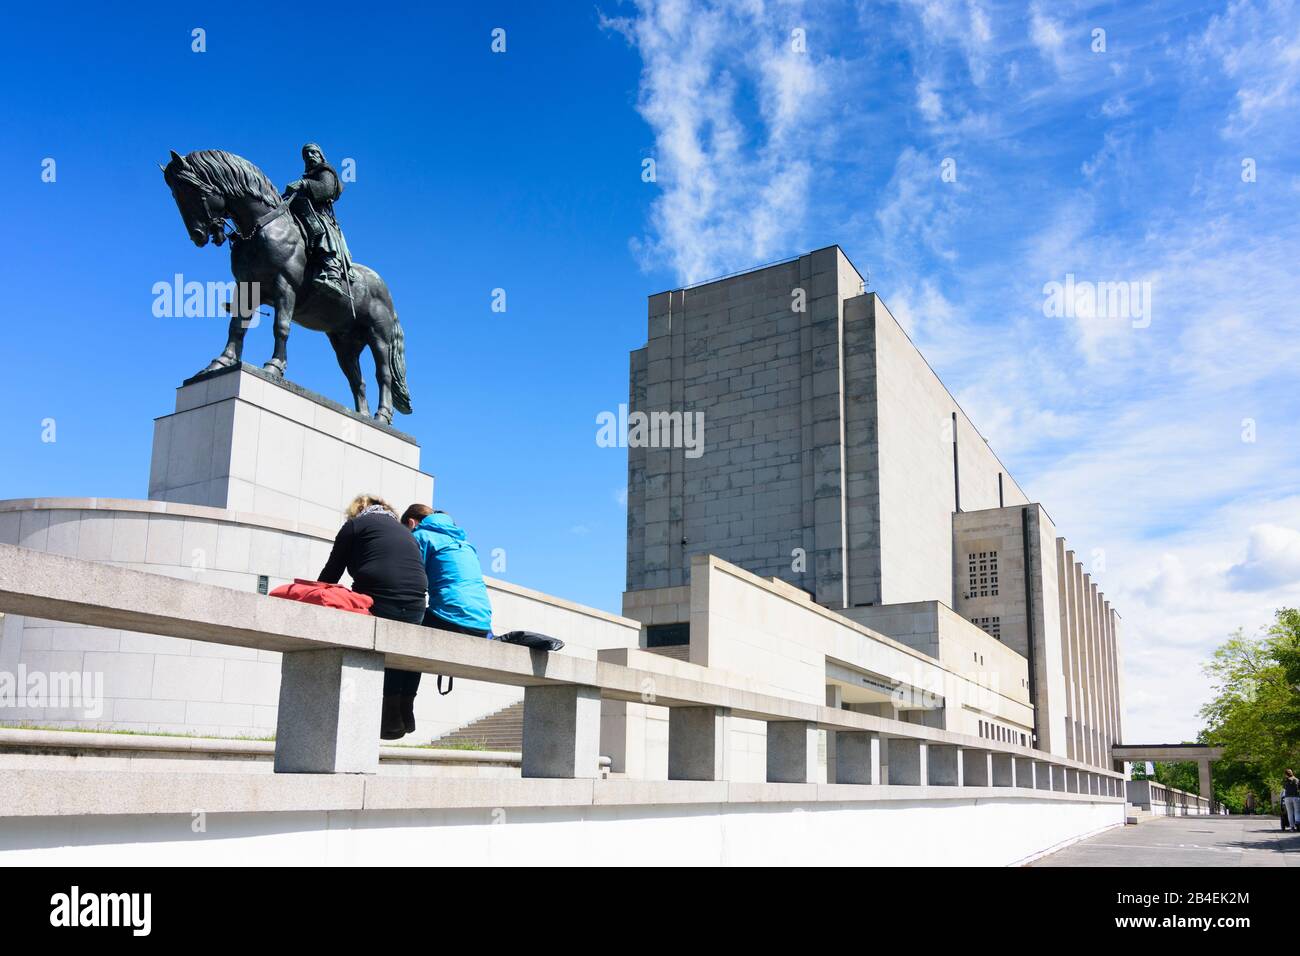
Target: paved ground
1186	841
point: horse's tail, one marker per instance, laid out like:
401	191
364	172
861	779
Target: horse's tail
397	359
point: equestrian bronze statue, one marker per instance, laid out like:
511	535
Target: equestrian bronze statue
294	251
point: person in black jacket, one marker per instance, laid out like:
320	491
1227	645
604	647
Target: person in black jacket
1291	799
376	549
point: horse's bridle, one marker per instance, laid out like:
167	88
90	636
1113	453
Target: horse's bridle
216	225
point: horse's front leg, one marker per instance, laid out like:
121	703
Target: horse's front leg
234	349
284	302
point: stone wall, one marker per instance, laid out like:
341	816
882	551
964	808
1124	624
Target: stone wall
155	684
829	441
766	378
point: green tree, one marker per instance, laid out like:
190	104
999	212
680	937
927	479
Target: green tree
1255	712
1181	776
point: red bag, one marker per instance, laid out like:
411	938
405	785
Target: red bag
326	595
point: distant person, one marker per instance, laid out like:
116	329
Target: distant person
385	563
1291	799
458	598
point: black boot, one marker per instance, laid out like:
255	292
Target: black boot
391	725
329	279
408	712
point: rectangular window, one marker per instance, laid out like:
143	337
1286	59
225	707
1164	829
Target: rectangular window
982	574
667	635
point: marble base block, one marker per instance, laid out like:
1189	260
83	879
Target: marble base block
243	440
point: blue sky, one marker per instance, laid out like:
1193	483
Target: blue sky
522	171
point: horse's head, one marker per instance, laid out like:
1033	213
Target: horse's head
202	208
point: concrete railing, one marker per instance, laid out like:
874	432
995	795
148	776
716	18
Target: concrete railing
332	680
1156	798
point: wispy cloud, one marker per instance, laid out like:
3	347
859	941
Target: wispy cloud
1257	45
1047	34
732	91
1170	448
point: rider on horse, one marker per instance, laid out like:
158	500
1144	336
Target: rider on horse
313	203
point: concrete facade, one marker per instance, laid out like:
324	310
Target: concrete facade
824	431
112	818
835	460
763	635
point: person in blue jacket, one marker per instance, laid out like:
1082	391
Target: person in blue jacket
458	598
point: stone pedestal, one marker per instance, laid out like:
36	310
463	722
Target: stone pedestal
243	440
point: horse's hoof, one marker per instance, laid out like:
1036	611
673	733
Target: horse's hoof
274	368
385	416
217	363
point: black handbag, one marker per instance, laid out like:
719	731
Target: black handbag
531	639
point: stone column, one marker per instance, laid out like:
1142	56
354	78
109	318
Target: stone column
561	731
857	757
907	761
791	752
943	763
696	743
1207	784
834	699
328	717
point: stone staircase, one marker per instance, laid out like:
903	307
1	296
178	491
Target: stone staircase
501	730
1135	814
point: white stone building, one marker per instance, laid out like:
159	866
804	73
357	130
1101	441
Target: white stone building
833	459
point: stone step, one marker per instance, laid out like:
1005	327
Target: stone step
502	730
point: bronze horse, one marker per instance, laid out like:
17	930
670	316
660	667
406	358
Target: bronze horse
268	247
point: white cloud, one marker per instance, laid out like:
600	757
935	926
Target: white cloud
734	193
1258	46
963	23
928	101
1116	107
1272	560
918	208
1048	36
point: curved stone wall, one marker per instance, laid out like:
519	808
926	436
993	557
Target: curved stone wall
153	684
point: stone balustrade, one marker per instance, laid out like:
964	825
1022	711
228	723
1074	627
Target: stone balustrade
332	677
1161	800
